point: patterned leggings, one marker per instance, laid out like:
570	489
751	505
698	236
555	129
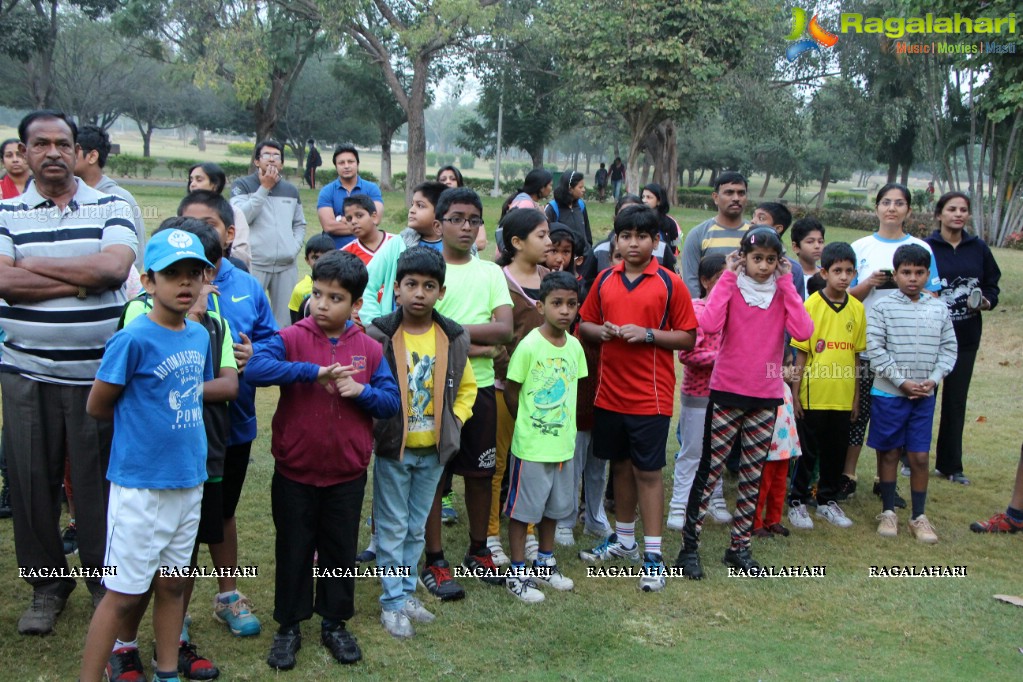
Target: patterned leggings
722	426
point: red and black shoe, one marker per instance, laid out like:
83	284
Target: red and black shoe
481	565
125	665
999	523
436	579
193	666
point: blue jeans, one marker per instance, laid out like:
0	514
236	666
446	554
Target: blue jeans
403	493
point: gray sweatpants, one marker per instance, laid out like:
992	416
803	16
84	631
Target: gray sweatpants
278	286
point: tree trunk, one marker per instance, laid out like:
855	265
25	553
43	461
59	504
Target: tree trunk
200	139
893	170
713	177
588	157
825	181
904	179
767	181
788	183
147	138
385	159
264	120
416	172
536	157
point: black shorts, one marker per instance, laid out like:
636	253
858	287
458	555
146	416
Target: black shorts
477	456
211	514
236	464
640	438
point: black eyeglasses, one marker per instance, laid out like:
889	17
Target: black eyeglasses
458	221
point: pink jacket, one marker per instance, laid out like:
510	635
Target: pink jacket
699	362
752	340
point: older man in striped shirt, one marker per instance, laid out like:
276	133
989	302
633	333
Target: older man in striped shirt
65	252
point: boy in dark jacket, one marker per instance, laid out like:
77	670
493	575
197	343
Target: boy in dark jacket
421	346
333	382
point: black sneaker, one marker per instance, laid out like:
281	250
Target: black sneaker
342	645
900	502
741	559
482	566
283	650
846	489
436	579
193	666
70	538
690	564
125	665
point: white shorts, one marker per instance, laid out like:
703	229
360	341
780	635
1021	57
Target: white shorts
148	529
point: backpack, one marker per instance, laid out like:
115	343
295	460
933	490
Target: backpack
557	212
213	325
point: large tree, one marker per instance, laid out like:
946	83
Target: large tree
406	40
652	61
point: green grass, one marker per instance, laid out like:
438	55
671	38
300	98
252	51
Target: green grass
845	626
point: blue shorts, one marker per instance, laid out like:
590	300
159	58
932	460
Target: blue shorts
897	423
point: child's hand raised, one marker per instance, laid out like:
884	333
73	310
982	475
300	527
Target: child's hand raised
242	351
733	262
784	266
347	387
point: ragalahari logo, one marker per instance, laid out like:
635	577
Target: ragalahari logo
818	36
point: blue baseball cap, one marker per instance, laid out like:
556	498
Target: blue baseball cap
170	246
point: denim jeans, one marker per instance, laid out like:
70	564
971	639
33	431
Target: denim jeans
403	493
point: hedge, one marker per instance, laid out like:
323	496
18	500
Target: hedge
246	149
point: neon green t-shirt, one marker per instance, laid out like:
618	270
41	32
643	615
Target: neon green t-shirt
545	426
298	294
474	290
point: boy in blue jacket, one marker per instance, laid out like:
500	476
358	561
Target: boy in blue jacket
334	382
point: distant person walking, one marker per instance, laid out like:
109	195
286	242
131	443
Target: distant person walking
617	177
312	162
600	180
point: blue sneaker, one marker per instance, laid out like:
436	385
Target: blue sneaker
368	555
653	575
236	612
448	515
611	548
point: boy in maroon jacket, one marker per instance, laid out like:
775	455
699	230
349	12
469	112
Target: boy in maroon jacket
333	382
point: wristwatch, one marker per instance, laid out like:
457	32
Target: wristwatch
649	335
82	293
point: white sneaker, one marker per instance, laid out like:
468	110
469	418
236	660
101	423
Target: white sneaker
532	547
414	609
676	520
552	575
397	624
564	536
719	511
653	577
834	515
888	526
922	530
799	517
905	471
523	588
497	551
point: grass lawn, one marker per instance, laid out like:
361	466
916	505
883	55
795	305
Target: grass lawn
843	626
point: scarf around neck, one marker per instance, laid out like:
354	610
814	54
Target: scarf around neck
756	293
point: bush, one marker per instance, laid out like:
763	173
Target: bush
847	200
467	161
124	165
325	176
365	175
431	159
246	149
398	181
921	199
1014	241
175	165
146	165
233	169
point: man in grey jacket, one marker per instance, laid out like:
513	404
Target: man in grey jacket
276	223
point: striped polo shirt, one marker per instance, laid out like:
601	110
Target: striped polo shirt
61	340
707	239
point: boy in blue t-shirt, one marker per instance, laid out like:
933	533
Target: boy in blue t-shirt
150	383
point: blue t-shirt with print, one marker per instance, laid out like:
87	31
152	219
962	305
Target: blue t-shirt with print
159	439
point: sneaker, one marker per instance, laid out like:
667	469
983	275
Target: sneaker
369	554
741	559
236	612
900	502
690	564
846	489
414	609
397	624
762	533
999	523
482	566
283	649
70	538
436	579
564	536
41	615
193	666
778	529
497	551
342	645
552	576
610	549
448	515
959	478
834	515
676	520
799	517
524	588
905	470
532	547
922	530
888	526
125	665
719	511
653	578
